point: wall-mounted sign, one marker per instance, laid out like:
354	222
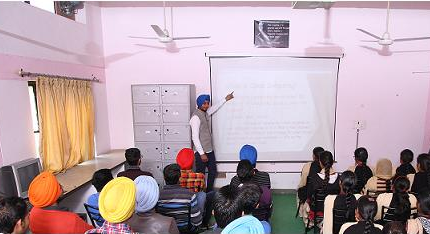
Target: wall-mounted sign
271	33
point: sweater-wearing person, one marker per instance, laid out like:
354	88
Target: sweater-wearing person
133	159
421	225
100	179
361	169
117	204
365	214
145	220
46	216
381	181
422	177
189	179
14	215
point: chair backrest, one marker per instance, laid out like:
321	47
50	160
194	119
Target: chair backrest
388	214
349	224
94	215
317	201
411	178
175	211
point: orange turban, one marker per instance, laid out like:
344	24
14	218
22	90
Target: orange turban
185	158
44	190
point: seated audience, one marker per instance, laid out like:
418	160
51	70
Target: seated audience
361	170
133	159
345	201
145	220
324	183
179	203
261	178
421	225
117	203
46	216
100	179
422	177
309	169
398	199
405	168
364	214
226	208
14	215
394	227
245	172
381	181
247	196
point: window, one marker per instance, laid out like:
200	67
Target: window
66	9
43	4
34	112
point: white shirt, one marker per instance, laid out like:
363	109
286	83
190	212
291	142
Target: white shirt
195	126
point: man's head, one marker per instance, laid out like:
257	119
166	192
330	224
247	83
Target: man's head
185	158
203	102
44	190
245	171
13	215
249	152
101	178
249	195
226	206
132	156
147	193
361	155
172	173
406	156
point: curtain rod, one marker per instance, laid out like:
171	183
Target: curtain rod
23	73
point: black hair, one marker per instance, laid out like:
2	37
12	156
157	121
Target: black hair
361	155
132	156
101	178
407	156
424	203
348	182
401	196
12	209
317	152
423	160
394	227
226	208
326	159
248	196
172	173
367	211
244	170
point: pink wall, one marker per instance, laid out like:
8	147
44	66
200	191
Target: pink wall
380	90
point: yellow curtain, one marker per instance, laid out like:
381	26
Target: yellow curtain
66	119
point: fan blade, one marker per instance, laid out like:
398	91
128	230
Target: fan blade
158	31
368	41
368	33
185	38
412	39
143	37
150	46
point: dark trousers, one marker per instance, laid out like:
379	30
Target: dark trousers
212	170
209	206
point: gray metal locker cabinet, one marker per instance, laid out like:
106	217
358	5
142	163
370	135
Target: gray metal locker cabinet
161	114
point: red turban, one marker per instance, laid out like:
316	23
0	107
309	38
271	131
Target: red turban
185	158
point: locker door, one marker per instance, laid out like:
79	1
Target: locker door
147	133
175	94
146	114
146	94
176	113
170	150
150	151
177	132
155	167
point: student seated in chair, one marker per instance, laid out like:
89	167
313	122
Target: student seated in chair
179	203
364	214
405	168
14	215
381	181
360	169
100	179
145	220
116	203
133	159
46	216
421	225
261	178
422	177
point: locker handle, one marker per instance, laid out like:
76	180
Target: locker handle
165	151
155	110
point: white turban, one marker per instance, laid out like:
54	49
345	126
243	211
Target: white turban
147	193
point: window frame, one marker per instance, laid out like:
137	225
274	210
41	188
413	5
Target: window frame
32	83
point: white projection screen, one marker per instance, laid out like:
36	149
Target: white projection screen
284	106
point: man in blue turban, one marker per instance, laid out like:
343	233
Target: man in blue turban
202	137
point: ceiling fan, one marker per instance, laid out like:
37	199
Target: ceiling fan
163	34
385	39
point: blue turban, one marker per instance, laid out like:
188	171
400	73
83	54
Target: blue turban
249	153
245	224
147	193
202	98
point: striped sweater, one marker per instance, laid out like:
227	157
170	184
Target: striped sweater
260	178
181	204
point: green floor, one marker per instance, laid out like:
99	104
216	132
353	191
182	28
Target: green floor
283	218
